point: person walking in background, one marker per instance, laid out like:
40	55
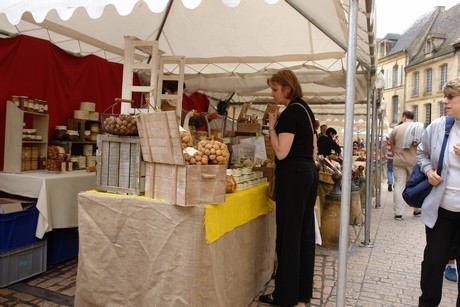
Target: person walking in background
441	208
201	117
322	130
404	139
388	156
292	136
326	143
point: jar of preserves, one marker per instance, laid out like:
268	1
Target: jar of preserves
36	105
16	100
72	135
31	104
74	161
45	106
60	133
42	162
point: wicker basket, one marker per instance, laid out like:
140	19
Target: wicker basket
119	124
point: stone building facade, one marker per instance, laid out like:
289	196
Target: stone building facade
417	63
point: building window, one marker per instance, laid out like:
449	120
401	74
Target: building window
428	46
383	49
443	77
442	110
395	103
397	75
389	77
428	81
427	114
416	83
415	109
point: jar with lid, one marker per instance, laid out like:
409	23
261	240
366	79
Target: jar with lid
23	103
40	106
31	104
74	161
87	135
42	162
59	133
72	135
45	106
36	105
16	100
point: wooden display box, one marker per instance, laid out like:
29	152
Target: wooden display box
168	177
248	127
269	109
119	165
81	125
243	126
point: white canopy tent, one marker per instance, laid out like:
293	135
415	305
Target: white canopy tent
230	46
227	49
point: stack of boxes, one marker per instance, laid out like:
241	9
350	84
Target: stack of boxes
22	255
29	158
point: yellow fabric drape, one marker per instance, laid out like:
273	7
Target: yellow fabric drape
240	207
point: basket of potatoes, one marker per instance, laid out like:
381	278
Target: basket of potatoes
207	152
119	124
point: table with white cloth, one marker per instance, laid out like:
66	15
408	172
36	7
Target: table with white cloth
138	251
56	194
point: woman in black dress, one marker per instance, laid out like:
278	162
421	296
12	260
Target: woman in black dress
292	138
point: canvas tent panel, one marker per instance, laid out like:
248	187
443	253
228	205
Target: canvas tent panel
235	47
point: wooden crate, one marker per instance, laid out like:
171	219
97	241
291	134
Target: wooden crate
168	177
248	127
81	125
186	185
242	126
119	165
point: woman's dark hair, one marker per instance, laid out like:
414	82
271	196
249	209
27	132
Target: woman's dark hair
170	85
331	130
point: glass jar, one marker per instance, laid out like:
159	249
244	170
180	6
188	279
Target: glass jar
72	135
60	133
74	161
16	100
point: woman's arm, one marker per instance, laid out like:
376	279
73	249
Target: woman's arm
281	143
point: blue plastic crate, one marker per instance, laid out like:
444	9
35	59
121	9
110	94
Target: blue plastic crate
17	229
62	245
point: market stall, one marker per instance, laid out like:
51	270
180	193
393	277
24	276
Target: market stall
230	53
139	251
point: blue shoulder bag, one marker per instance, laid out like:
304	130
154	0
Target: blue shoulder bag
418	187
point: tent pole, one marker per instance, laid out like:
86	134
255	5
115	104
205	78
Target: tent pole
368	205
347	152
165	17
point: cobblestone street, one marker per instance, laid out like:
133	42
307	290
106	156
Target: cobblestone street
386	273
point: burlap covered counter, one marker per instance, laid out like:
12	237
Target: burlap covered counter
136	251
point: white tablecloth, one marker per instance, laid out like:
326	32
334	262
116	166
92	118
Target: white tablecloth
56	193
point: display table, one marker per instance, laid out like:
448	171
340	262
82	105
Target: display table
56	193
137	251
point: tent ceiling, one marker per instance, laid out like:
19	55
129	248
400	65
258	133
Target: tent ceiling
227	49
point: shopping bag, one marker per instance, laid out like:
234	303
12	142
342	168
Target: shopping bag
417	188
